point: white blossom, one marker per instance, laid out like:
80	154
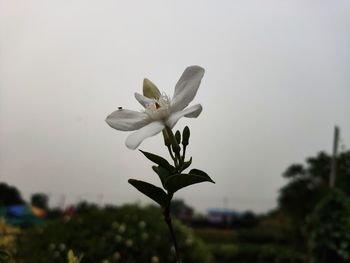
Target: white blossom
159	110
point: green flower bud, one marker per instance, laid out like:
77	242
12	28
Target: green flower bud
166	138
150	90
178	137
185	136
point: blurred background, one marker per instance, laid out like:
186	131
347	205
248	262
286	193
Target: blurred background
276	84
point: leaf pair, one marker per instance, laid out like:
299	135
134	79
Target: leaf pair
171	179
177	181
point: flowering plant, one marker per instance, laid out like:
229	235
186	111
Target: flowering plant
161	114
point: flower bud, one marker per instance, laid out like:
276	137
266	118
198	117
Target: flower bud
166	138
185	136
178	137
150	90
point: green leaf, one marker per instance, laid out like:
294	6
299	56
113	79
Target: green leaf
166	138
158	160
155	193
201	173
5	257
162	173
178	181
186	164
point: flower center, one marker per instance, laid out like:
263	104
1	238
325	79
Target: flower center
160	109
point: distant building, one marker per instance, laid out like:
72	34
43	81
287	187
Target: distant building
220	216
22	214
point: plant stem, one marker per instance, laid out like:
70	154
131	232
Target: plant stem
178	162
183	155
172	155
174	143
167	219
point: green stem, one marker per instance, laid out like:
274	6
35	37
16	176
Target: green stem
174	143
183	155
172	155
167	219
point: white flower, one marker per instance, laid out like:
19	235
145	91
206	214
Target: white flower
62	247
189	241
160	110
116	255
52	246
155	259
122	228
118	238
144	236
129	243
142	224
115	224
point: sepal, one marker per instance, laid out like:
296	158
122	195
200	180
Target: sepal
158	160
187	164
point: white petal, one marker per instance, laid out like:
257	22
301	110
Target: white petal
191	112
144	101
134	139
150	90
186	88
127	120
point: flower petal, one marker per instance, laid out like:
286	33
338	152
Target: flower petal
134	139
191	112
127	120
144	101
186	88
150	90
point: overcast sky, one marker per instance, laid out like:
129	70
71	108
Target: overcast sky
277	81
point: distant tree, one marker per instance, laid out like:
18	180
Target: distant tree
40	200
180	209
328	229
9	195
54	213
248	219
308	183
85	207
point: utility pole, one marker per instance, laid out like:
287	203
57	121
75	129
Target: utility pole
63	201
225	202
99	200
334	158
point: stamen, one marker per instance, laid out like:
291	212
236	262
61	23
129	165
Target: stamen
160	108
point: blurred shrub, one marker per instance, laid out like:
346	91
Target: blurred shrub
252	253
216	235
73	258
259	244
256	235
5	257
128	234
263	235
329	229
8	235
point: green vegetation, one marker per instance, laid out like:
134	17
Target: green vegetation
328	227
249	245
311	225
8	235
127	234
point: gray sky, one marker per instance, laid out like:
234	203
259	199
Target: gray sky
277	81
